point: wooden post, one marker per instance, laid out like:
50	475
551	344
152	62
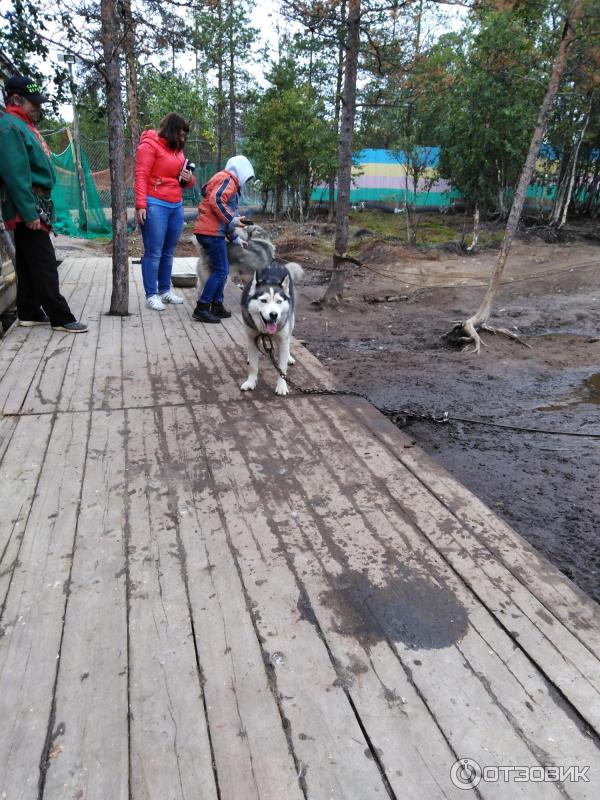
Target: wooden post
111	43
75	142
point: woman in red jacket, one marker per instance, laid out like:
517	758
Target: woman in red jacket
161	169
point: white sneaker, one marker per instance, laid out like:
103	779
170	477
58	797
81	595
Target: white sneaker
155	303
171	297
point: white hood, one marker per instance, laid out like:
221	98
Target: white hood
241	168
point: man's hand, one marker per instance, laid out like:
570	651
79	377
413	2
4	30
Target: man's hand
34	225
140	215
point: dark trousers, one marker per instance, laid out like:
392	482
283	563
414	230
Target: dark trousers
216	249
37	278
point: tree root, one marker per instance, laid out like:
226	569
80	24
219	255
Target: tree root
464	335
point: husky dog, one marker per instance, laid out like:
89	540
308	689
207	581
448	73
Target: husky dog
268	308
245	261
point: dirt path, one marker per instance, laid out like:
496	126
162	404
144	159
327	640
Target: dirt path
545	486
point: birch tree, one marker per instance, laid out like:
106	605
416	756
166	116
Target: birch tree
467	331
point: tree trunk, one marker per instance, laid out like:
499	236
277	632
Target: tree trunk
232	147
111	44
338	102
592	191
561	184
220	99
483	312
334	291
473	246
277	200
569	192
131	73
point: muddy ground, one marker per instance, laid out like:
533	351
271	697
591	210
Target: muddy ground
545	486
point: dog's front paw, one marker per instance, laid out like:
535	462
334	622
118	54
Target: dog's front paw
282	387
291	360
249	384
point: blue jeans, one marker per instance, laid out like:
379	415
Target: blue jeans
160	233
216	250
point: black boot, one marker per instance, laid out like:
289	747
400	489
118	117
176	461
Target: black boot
219	310
202	313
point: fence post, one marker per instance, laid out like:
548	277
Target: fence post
76	145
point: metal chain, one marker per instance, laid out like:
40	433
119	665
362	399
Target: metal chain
400	416
265	345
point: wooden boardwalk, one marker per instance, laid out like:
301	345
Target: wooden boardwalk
212	595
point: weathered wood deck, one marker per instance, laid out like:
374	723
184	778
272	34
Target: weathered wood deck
206	594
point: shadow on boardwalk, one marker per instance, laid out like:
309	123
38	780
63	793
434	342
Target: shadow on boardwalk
212	595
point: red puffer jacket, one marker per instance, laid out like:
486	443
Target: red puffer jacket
157	170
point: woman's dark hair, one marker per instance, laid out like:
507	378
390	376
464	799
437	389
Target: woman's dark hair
170	126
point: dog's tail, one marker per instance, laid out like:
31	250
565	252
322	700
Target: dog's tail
202	263
295	270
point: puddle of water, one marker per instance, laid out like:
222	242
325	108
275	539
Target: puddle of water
587	392
408	608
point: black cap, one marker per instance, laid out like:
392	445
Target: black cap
25	87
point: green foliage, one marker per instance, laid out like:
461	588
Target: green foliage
288	136
222	38
494	79
160	92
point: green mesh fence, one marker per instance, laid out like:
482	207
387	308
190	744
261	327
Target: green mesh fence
89	216
78	209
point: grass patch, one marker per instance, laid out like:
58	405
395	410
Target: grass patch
433	232
430	229
378	222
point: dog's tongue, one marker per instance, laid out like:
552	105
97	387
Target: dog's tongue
271	328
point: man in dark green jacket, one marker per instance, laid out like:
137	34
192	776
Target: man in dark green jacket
26	179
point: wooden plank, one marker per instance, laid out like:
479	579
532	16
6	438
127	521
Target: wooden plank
250	745
380	544
169	743
161	370
557	648
215	379
107	391
137	389
285	582
195	372
7	428
33	615
22	451
88	746
10	345
17	378
47	384
76	394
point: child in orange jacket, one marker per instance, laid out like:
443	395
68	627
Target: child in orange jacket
217	222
